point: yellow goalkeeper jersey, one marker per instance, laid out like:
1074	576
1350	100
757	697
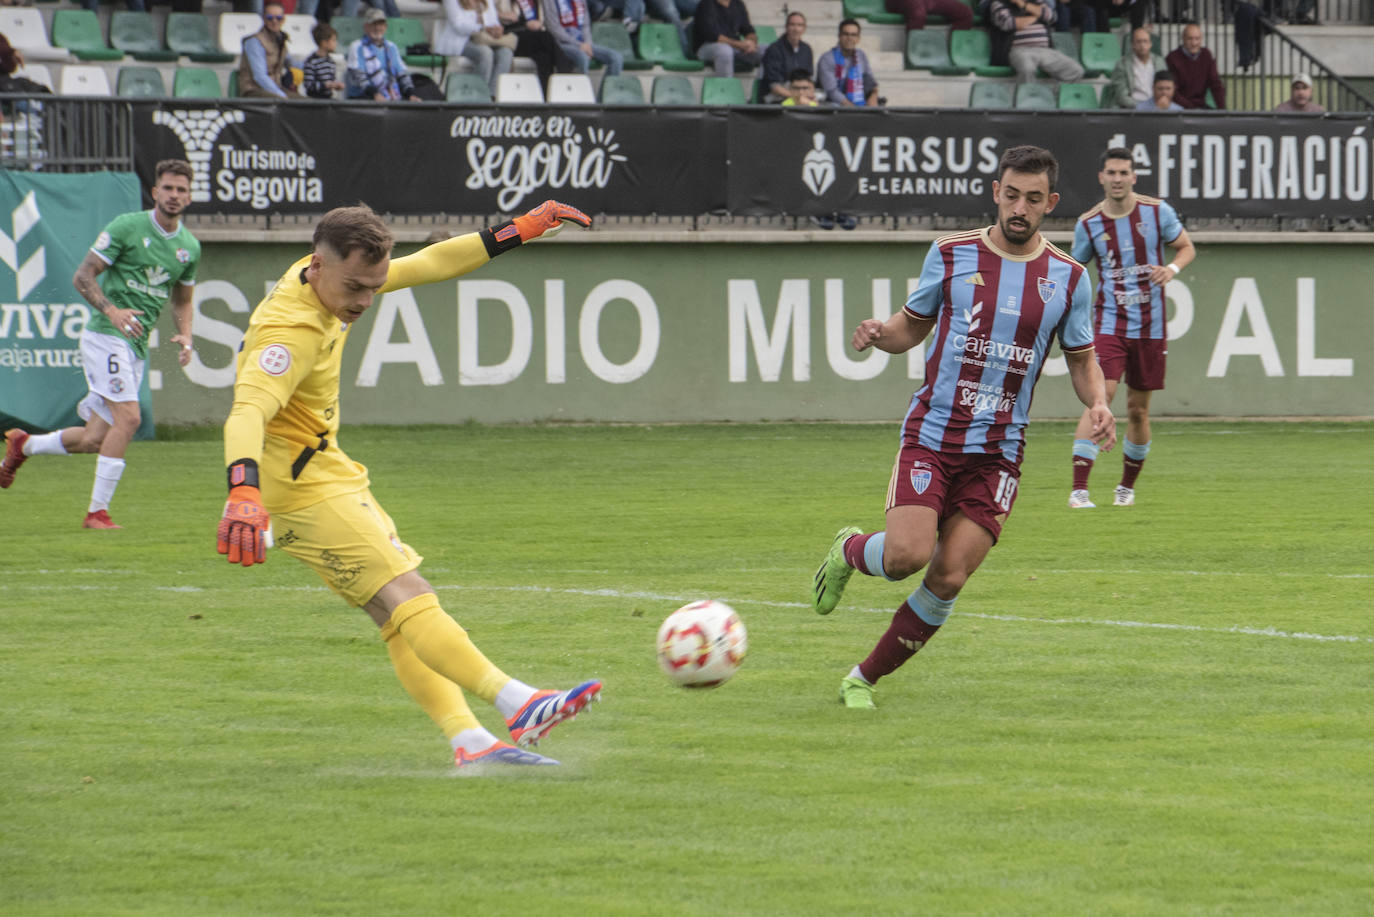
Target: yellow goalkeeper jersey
289	369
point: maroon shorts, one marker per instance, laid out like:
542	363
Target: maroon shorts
981	485
1141	359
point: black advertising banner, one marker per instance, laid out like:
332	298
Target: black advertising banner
293	158
418	159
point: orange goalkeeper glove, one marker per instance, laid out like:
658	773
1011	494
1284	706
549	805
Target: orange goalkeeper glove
244	525
546	216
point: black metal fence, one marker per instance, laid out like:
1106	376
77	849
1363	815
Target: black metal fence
65	134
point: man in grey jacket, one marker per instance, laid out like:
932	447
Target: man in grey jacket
1133	78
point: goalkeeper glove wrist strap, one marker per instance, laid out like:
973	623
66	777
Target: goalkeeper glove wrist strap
243	472
500	238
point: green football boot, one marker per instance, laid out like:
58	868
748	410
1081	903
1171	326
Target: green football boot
855	692
833	574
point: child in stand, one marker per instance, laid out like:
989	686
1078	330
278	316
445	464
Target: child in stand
320	80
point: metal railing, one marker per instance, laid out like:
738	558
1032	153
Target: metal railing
1293	12
1256	53
65	134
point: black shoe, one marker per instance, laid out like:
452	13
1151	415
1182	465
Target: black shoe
846	221
825	221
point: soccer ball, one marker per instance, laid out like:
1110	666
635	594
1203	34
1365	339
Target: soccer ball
702	644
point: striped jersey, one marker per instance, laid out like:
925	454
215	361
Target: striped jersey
995	316
1125	248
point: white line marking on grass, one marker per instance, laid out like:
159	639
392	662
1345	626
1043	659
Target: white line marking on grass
681	599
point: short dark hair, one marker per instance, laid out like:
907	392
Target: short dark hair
798	13
1033	160
322	32
174	166
1115	152
267	3
853	22
344	230
1161	75
801	73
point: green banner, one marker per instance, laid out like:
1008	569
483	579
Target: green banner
52	221
687	332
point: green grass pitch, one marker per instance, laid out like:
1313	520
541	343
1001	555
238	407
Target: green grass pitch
1166	709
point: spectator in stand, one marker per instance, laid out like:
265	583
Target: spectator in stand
375	68
319	79
789	53
1301	99
631	12
264	67
135	6
522	18
844	74
1162	96
1105	10
569	21
958	14
801	91
1020	32
472	29
723	37
1195	71
1135	72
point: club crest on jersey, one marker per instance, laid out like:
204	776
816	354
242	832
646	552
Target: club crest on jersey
920	478
1045	287
183	255
147	241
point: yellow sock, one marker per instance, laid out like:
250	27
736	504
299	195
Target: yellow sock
436	695
442	645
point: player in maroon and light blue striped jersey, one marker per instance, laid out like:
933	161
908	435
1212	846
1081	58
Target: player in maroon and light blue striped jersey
997	298
1126	233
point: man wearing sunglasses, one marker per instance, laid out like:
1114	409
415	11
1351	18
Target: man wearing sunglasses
264	68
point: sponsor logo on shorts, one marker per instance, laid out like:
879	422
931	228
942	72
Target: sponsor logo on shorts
396	543
274	359
116	385
920	479
341	574
288	537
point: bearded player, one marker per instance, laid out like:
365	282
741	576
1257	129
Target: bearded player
283	456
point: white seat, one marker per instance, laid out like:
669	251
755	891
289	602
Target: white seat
23	26
39	73
571	89
84	80
519	89
235	27
298	28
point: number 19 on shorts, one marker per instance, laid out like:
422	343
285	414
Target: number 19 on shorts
1006	491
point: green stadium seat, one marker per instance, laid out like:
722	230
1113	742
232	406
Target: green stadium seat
1066	43
990	95
79	32
1034	95
350	29
928	49
467	87
611	34
196	83
232	90
673	90
659	43
624	89
766	35
972	49
873	11
405	32
136	34
722	90
140	83
189	35
1077	96
1100	52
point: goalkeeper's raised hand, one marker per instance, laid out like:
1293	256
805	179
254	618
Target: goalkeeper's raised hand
548	215
243	528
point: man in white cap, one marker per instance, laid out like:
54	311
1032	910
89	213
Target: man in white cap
1301	99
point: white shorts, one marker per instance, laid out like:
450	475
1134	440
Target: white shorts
113	373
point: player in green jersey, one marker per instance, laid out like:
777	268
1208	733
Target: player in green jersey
147	259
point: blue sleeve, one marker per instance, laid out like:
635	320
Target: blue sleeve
257	63
924	301
403	80
1082	244
1076	330
1170	227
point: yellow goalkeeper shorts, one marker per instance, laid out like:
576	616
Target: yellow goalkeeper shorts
350	541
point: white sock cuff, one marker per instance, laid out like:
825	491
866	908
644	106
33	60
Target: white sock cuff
108	467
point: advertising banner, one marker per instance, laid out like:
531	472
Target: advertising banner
47	224
300	158
654	332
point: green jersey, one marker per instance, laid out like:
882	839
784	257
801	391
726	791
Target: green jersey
143	264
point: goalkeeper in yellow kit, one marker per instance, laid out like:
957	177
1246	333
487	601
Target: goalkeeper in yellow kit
283	458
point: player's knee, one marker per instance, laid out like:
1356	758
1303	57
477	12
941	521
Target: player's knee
902	560
127	419
946	583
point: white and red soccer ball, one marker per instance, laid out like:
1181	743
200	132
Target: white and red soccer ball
702	644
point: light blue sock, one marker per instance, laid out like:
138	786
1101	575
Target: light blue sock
1085	448
873	555
1133	452
929	607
